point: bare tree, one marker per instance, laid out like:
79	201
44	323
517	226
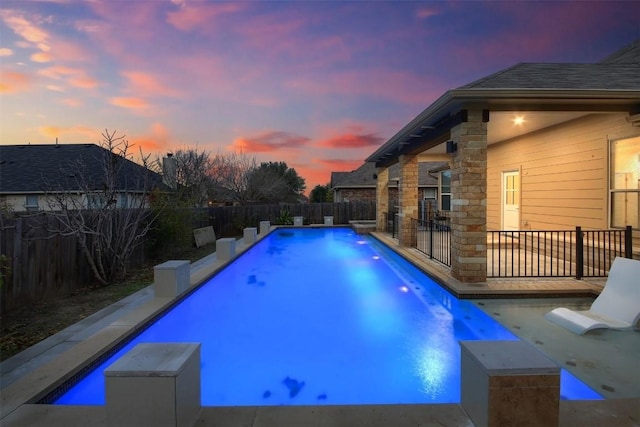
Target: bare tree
192	175
106	206
230	175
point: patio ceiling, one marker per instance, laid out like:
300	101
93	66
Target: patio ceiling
539	109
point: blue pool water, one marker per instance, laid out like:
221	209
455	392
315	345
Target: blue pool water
321	316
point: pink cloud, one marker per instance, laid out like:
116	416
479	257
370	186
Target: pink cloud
352	140
269	142
146	84
72	102
199	16
76	77
426	12
23	27
394	85
129	102
14	82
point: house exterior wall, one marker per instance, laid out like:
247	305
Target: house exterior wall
18	202
563	173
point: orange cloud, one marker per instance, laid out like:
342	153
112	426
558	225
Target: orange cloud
6	51
22	27
41	57
147	84
268	142
13	81
73	76
72	102
84	82
70	134
155	141
352	140
132	103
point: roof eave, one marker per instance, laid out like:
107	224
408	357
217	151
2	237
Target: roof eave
536	98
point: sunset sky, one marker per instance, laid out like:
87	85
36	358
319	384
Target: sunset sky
317	84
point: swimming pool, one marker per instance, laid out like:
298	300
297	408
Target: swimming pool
314	316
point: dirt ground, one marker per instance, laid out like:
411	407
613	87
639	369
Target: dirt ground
24	327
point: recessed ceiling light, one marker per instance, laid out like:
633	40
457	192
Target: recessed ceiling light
518	120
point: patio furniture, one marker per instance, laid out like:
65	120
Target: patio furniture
617	307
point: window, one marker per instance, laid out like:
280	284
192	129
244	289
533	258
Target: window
624	183
124	200
445	190
95	201
31	202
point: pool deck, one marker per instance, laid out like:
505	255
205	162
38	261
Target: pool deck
28	376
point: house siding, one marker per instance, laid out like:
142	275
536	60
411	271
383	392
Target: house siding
563	172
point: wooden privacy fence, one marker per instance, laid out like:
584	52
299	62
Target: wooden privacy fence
36	265
231	220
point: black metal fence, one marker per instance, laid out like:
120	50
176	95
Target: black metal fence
433	238
391	223
561	253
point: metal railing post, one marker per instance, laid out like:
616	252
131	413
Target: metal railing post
579	253
628	245
431	238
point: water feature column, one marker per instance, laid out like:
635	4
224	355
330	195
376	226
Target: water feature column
250	235
469	198
171	278
265	226
382	198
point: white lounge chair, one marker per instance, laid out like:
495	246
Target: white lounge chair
617	306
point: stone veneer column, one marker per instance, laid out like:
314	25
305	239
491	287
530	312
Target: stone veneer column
382	198
469	200
408	198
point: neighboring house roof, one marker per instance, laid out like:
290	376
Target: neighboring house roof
67	167
612	84
365	176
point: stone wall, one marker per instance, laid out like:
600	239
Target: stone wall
408	198
469	200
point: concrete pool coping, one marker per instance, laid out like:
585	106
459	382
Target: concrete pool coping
31	375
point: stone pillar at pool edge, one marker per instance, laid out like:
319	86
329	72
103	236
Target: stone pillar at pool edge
469	198
408	199
382	199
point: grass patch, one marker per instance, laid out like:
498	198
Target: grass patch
29	325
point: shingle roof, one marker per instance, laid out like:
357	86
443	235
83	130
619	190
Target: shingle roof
562	76
627	55
364	175
618	71
36	168
611	84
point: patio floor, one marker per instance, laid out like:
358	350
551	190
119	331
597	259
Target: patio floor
607	358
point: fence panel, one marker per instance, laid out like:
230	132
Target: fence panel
555	253
433	239
37	264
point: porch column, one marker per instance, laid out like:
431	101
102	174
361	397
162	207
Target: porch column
407	198
469	200
382	198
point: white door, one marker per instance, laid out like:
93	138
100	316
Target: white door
511	200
